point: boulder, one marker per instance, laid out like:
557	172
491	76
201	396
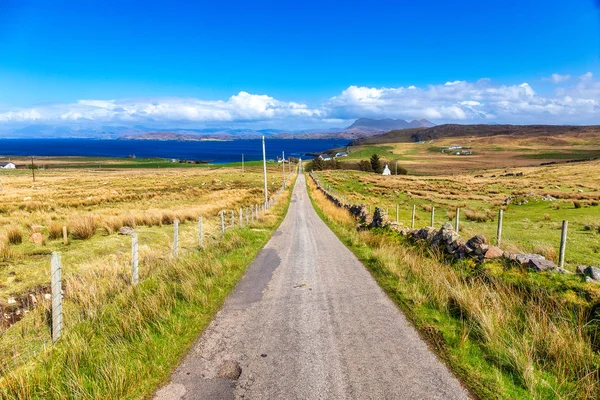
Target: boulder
493	252
592	272
379	218
126	230
539	265
37	238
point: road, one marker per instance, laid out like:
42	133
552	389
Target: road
307	321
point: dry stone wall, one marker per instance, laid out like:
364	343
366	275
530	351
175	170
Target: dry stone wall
447	240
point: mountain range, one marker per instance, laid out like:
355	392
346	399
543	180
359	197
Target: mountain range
361	128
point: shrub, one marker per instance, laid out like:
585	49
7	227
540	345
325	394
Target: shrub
365	165
576	204
55	230
14	234
84	227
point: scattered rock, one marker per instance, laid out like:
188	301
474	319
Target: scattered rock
11	300
548	198
126	230
230	369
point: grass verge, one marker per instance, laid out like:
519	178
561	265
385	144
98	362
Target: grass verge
121	342
505	333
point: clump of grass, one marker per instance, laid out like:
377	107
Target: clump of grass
577	204
167	218
55	230
14	234
427	208
5	251
547	251
84	227
476	216
547	217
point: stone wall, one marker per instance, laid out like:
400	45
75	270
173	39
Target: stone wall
449	242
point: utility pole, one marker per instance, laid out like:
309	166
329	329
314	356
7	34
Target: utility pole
283	167
396	167
265	172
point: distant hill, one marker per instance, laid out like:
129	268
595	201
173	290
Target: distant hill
388	124
455	130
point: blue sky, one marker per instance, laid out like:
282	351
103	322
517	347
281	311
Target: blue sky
300	64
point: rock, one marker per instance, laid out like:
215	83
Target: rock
493	252
541	265
524	259
36	238
548	198
593	272
379	218
126	230
11	300
230	369
562	271
581	269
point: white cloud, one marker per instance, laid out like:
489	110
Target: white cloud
557	78
575	101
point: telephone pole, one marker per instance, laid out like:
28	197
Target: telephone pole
265	172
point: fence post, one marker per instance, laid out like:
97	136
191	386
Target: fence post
499	234
432	216
247	216
200	232
56	287
456	226
563	244
232	219
412	222
175	237
65	235
222	222
397	210
241	218
134	259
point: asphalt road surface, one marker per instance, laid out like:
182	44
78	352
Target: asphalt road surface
307	321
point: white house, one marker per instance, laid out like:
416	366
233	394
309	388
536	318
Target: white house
325	157
341	154
7	165
386	171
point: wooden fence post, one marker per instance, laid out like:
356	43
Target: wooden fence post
456	224
232	219
134	259
499	234
241	218
563	244
56	287
65	235
222	222
412	222
432	217
200	232
175	237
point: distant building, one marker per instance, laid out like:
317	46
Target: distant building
386	171
7	165
341	154
325	157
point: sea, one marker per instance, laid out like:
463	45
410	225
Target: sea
213	151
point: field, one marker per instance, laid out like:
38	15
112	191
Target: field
497	152
531	227
94	203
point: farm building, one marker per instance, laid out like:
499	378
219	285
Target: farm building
7	165
325	157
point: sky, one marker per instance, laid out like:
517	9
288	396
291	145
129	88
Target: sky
297	65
